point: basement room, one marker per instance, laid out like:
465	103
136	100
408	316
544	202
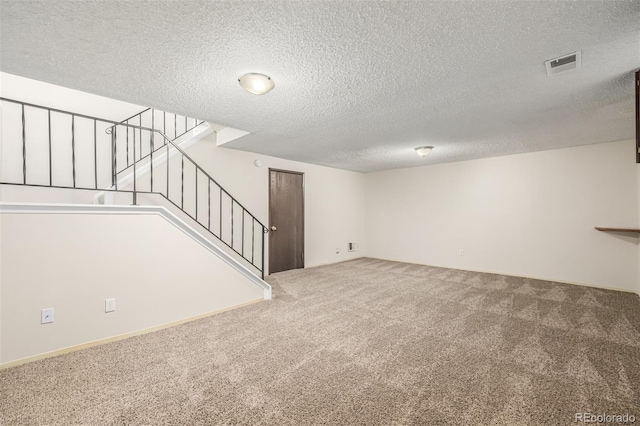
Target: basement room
319	212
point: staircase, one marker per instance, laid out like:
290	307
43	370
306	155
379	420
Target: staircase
140	161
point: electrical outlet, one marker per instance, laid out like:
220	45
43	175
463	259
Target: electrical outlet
352	246
110	305
46	316
461	252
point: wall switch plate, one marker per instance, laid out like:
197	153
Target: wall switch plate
110	305
46	316
461	252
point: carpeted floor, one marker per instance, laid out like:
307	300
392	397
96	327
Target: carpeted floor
362	342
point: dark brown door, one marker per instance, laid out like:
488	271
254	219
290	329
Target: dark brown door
286	220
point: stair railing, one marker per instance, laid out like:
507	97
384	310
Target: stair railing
156	119
226	231
208	203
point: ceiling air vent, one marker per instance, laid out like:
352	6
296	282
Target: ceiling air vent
564	63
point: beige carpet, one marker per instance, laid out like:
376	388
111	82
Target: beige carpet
362	342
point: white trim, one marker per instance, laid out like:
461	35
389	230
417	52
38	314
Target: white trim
120	336
42	208
509	274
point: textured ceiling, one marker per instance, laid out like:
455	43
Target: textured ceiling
358	84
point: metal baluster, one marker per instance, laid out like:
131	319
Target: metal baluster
95	154
140	130
135	196
182	186
114	142
164	125
50	160
232	200
220	189
24	150
167	145
185	124
127	144
196	194
264	230
152	145
73	147
253	239
175	127
243	212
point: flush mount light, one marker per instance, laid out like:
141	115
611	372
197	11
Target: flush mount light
422	151
255	83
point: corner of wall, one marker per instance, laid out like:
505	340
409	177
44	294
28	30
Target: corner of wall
1	243
530	214
638	219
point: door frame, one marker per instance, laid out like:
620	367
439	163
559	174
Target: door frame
304	211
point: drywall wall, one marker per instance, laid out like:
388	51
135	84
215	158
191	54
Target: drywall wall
90	149
1	236
530	215
638	195
58	97
334	199
73	262
60	150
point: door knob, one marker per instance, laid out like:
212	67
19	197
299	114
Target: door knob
273	228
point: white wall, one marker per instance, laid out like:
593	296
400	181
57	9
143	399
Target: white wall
1	257
37	138
638	209
334	199
93	149
73	262
327	228
58	97
530	215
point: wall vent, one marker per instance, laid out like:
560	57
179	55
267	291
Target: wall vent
564	63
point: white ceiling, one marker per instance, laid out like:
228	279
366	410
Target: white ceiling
358	84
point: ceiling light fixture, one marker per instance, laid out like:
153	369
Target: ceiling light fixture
255	83
422	151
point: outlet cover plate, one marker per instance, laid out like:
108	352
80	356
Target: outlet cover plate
110	305
46	316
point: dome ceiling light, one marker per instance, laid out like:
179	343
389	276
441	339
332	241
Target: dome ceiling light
423	151
256	83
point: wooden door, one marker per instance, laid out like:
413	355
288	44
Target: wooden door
286	220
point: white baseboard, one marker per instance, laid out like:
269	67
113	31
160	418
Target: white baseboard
120	337
513	275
